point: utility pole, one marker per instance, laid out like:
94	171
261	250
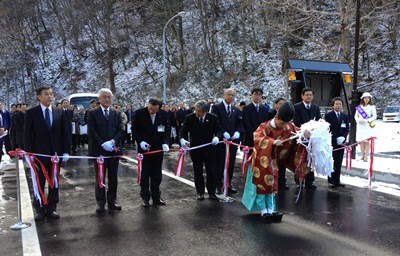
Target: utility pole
355	93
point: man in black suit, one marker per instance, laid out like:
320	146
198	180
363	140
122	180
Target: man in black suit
305	111
92	105
151	130
277	104
65	107
105	129
129	114
253	115
6	124
339	127
229	121
181	114
203	128
68	113
19	119
46	132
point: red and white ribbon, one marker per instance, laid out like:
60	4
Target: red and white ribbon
371	162
245	156
226	167
180	163
349	156
139	158
37	190
100	171
55	170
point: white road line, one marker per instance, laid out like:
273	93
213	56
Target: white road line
171	175
30	239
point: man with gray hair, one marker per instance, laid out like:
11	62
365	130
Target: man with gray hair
228	117
105	129
203	128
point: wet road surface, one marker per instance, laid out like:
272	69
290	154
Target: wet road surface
344	221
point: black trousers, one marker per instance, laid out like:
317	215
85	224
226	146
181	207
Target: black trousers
151	176
221	163
337	167
111	171
281	175
309	179
7	143
52	196
199	156
1	150
75	138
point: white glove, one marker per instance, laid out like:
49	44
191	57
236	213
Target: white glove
184	143
108	146
227	136
340	140
236	135
144	145
165	147
215	141
65	157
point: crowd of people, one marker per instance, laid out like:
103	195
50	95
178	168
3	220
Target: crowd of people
108	129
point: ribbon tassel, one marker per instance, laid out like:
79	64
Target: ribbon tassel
180	163
100	171
245	156
139	158
37	190
349	156
226	175
371	162
55	170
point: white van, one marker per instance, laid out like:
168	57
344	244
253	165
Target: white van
391	114
82	99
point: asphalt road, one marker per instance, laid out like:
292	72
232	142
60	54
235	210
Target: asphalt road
345	221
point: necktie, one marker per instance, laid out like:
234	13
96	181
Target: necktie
1	121
229	111
308	107
47	117
258	108
106	114
338	116
153	118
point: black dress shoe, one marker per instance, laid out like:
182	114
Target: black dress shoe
219	191
39	216
53	215
232	190
100	208
114	206
200	197
145	203
159	201
340	185
212	197
311	186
